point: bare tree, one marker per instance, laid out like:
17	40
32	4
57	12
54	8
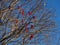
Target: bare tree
25	22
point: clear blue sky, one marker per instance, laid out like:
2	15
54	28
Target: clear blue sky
56	5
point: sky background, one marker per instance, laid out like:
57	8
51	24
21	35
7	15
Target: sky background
55	4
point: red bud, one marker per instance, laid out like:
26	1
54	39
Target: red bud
29	13
31	36
22	12
16	21
26	29
32	26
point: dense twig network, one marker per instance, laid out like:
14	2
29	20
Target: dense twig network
25	22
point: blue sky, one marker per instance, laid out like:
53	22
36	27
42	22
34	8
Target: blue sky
55	4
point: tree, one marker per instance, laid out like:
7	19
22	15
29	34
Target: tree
25	22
